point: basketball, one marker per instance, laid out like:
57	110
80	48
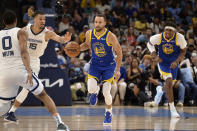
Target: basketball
72	49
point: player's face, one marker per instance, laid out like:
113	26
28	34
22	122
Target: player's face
169	33
99	23
40	20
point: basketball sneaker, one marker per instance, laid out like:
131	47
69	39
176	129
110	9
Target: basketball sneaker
93	99
174	114
108	118
62	127
10	117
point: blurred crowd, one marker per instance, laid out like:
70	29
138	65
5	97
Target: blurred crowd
133	22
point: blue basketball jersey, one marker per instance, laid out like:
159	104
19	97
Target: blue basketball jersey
102	53
169	50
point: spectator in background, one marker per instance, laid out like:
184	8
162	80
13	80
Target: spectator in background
142	23
144	37
65	23
146	62
82	34
117	11
130	8
28	17
119	87
156	26
79	21
194	65
138	52
102	5
61	59
131	38
188	81
135	83
77	81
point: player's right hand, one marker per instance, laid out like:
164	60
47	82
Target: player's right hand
29	78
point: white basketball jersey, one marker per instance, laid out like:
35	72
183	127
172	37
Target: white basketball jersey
10	55
36	43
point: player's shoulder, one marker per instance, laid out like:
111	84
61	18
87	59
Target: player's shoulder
157	36
180	35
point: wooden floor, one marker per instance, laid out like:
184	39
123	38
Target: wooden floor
86	118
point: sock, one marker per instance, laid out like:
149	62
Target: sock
159	95
109	110
13	109
57	118
172	106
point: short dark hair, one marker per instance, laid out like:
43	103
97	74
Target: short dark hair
100	15
9	17
37	12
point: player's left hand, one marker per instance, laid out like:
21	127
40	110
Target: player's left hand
67	36
117	74
29	79
173	65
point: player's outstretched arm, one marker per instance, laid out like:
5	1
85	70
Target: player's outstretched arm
22	37
112	39
61	39
86	45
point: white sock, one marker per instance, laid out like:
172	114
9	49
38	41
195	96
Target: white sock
13	108
109	110
57	118
172	107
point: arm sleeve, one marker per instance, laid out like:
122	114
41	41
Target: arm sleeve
156	39
181	41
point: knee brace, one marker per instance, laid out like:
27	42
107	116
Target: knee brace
114	89
92	86
22	95
122	90
106	93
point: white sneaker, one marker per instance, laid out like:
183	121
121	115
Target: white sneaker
165	104
174	114
147	104
180	104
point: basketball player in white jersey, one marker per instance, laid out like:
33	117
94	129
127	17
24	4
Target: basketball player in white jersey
13	73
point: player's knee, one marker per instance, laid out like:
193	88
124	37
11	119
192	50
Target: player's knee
22	96
123	85
92	85
106	93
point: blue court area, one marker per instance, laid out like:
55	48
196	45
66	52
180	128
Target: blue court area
125	118
134	111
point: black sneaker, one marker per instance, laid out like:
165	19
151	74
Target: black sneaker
10	117
62	127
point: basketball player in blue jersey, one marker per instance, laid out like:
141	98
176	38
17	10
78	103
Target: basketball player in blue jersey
171	49
103	66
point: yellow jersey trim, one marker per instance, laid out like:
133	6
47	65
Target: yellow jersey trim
160	39
176	40
90	76
98	37
168	40
107	40
109	80
90	35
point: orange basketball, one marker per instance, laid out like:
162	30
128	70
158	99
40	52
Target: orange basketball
72	49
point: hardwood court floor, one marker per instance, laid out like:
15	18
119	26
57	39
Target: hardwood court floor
86	118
